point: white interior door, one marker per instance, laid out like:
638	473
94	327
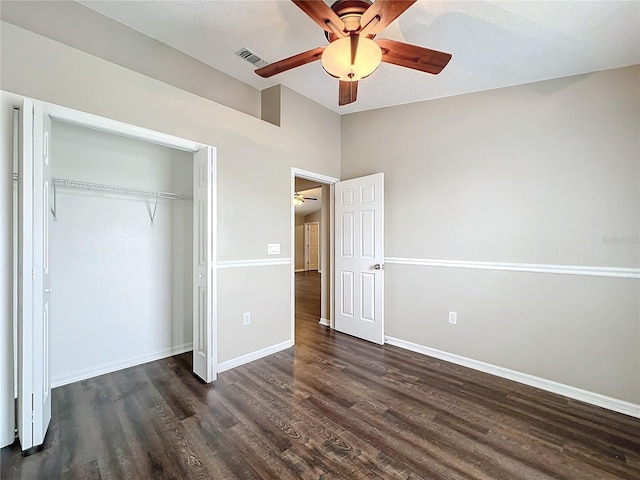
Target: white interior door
359	255
313	243
34	405
203	265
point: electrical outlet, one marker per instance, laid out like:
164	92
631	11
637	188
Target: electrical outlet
453	318
246	318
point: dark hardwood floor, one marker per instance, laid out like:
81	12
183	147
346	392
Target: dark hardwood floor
331	407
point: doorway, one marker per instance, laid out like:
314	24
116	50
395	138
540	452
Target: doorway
312	227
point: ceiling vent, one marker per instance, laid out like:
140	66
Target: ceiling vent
251	57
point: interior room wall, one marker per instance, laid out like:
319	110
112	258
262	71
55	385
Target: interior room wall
313	217
546	174
80	27
325	255
122	287
254	160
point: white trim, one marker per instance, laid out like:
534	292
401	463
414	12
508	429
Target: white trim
86	373
213	258
307	175
250	357
575	393
615	272
256	262
325	322
115	127
298	270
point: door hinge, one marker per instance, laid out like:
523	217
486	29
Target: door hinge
33	408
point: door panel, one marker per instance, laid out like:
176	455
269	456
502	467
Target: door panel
42	276
203	257
359	238
314	246
34	307
25	279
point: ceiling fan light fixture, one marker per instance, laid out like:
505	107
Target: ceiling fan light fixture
336	59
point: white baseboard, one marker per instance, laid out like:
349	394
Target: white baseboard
325	322
592	398
250	357
86	373
298	270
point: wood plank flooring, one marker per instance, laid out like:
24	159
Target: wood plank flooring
331	407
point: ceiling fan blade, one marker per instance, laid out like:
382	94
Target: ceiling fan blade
310	198
386	10
291	62
348	93
413	56
321	13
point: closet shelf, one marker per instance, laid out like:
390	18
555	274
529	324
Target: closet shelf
62	182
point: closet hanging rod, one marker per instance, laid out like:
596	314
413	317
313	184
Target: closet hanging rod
62	182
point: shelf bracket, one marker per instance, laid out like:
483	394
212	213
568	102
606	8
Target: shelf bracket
153	214
54	208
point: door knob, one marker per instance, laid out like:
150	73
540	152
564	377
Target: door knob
48	290
200	276
377	266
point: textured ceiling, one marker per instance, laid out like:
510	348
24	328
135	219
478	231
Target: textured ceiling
494	43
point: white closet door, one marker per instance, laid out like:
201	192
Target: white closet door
34	404
203	265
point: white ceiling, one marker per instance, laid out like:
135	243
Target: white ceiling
494	43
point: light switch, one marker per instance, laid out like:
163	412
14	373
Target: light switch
273	249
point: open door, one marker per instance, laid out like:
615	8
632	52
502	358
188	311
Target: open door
34	405
359	256
203	265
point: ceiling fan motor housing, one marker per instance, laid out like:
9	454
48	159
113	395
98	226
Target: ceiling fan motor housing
349	12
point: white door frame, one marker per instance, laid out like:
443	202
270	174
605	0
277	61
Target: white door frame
315	177
95	122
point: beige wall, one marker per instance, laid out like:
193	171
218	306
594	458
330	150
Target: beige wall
80	27
542	173
313	217
254	162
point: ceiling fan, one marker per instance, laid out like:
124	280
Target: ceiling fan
299	198
352	54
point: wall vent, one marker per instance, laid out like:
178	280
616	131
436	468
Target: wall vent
251	57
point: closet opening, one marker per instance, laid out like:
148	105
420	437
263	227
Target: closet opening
121	249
